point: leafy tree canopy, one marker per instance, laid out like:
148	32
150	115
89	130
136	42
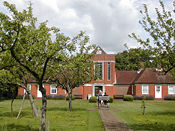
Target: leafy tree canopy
134	59
161	39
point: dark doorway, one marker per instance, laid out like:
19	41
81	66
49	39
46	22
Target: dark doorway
97	89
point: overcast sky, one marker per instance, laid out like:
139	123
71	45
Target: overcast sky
107	22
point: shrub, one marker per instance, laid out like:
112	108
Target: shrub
2	98
147	97
111	99
73	97
93	99
138	97
21	97
55	97
169	98
128	98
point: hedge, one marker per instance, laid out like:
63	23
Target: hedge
169	98
111	99
21	97
93	99
128	98
147	97
73	97
55	97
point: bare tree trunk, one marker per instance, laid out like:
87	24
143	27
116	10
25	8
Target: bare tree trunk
21	106
35	112
44	107
70	99
12	107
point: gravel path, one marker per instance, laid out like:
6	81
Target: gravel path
111	122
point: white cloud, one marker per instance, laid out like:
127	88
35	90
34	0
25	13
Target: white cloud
107	22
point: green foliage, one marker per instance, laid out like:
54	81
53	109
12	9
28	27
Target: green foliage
128	98
146	97
93	99
111	99
55	97
161	36
26	97
73	97
160	115
132	59
58	116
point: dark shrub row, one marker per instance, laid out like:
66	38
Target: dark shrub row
169	98
21	97
146	97
73	97
55	97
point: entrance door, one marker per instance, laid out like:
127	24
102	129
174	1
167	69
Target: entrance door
39	94
158	91
97	89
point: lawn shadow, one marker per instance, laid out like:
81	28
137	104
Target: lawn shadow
153	126
14	127
15	113
65	109
172	113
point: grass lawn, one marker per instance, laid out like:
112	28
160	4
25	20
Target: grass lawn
160	115
58	117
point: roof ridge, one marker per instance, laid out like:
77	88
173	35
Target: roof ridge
138	76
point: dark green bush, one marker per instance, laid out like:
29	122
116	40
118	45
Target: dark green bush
93	99
149	98
55	97
169	98
111	99
73	97
146	97
21	97
138	97
128	98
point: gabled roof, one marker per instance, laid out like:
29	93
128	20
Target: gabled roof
99	49
145	76
151	76
125	77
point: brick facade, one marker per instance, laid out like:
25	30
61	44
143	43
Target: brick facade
120	82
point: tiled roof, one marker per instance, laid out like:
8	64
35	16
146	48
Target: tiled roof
125	77
145	76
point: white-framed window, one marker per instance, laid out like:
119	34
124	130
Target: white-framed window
171	89
29	86
53	89
145	89
99	70
109	71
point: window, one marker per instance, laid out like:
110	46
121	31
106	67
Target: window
99	52
99	70
53	89
29	86
109	71
145	89
171	89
